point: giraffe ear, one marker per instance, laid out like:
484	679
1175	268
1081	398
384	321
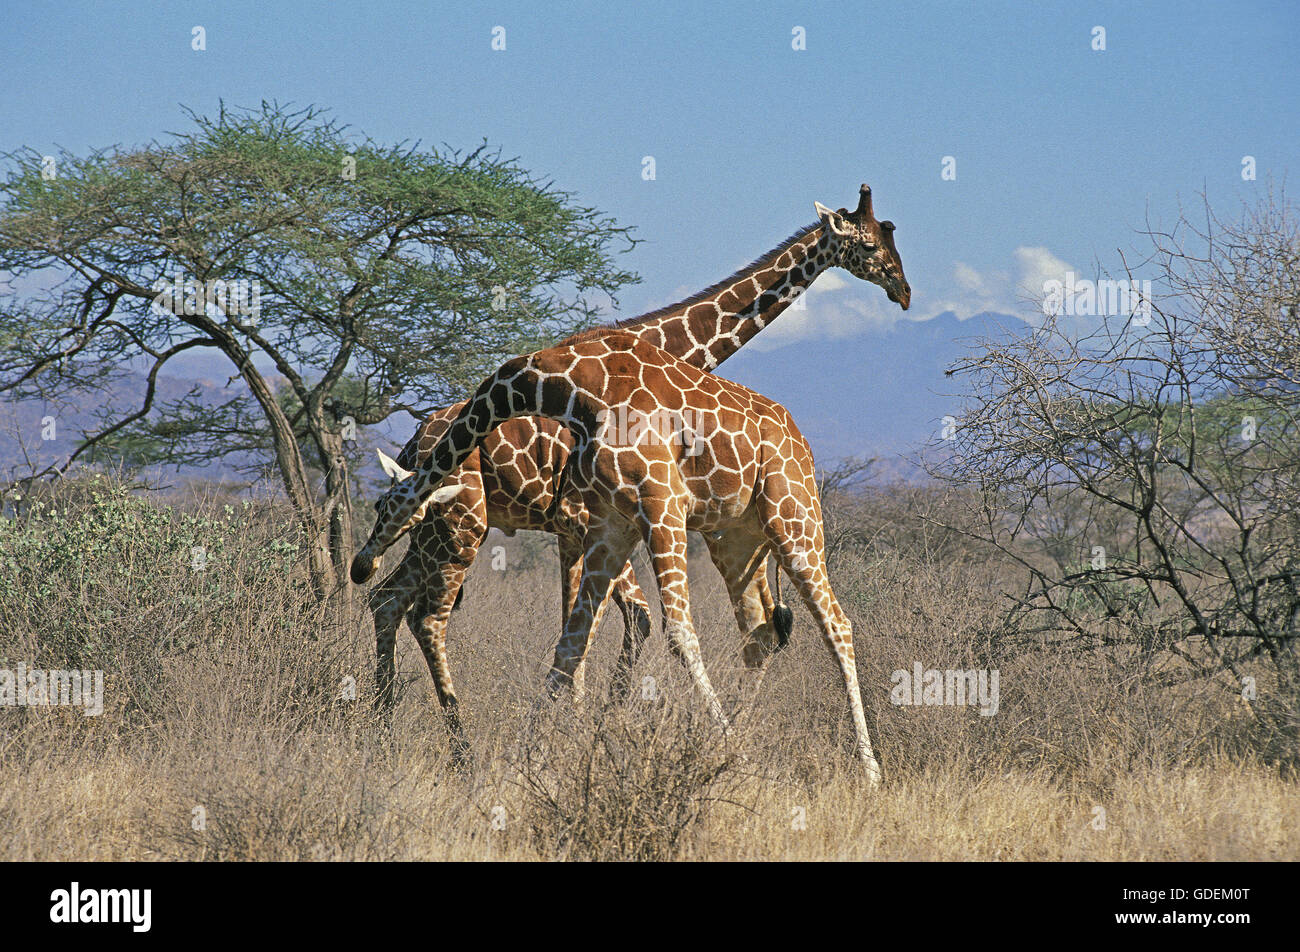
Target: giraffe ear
391	466
447	493
833	220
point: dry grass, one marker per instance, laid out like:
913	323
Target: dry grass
224	735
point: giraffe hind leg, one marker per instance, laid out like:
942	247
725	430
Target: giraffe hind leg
632	603
801	552
741	557
571	572
804	562
601	565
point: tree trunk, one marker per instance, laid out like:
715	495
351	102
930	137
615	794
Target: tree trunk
321	566
338	503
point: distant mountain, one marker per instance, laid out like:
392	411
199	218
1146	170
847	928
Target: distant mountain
881	392
26	427
877	393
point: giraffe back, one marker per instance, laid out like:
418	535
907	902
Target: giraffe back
519	464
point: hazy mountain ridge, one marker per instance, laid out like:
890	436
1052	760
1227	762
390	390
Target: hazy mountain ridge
26	425
878	393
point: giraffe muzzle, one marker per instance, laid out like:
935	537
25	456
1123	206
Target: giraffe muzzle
902	296
363	567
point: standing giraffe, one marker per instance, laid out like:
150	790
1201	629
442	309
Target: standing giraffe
703	453
512	480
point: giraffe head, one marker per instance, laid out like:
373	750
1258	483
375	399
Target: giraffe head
407	501
865	247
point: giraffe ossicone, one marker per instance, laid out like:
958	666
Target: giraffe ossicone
443	494
391	467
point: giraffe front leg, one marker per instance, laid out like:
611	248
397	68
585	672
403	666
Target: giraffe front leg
388	602
428	620
666	539
450	557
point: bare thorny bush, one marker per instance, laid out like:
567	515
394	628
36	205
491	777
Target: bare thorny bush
1142	469
624	782
860	515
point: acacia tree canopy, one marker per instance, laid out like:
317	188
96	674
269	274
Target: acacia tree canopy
342	280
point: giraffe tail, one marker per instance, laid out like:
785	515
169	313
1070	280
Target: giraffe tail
782	616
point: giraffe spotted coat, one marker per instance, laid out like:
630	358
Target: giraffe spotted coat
738	470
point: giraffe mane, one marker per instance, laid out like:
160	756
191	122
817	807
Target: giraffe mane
762	262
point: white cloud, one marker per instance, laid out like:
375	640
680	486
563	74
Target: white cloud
827	315
1036	267
1017	290
975	292
827	281
967	278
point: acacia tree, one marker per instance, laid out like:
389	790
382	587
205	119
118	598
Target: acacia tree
1145	471
341	280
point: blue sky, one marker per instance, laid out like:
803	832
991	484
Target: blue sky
1061	151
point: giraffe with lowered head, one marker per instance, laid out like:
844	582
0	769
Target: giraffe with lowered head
708	455
512	480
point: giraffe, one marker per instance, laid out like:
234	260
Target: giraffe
702	453
511	481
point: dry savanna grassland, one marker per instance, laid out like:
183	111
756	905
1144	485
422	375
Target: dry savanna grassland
231	728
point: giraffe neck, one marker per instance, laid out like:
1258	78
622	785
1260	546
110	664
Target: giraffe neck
707	328
501	396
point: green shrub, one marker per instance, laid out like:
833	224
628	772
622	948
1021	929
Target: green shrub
95	577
